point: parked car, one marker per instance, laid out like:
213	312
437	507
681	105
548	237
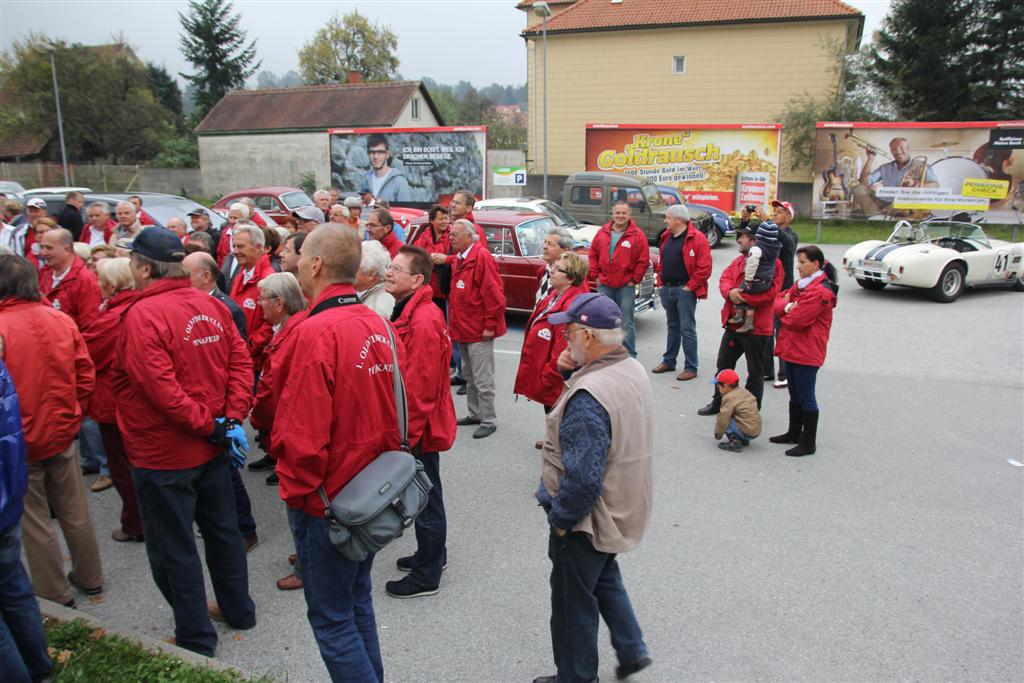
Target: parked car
723	221
159	207
590	197
36	191
12	189
278	202
515	239
534	205
942	256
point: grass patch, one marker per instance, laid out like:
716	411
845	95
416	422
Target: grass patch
852	232
82	653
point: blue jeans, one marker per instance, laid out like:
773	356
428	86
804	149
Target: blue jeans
338	603
586	584
170	500
680	309
243	506
431	528
625	297
733	430
23	654
802	380
90	446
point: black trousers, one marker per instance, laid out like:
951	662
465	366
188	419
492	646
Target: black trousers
751	346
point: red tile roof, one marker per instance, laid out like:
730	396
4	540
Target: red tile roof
605	15
26	145
362	105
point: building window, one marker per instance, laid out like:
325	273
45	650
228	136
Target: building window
679	64
416	109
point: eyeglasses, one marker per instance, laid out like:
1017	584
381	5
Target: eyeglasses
377	151
568	333
265	299
563	271
392	268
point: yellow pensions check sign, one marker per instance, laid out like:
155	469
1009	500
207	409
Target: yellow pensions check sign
985	187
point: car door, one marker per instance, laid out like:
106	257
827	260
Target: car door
501	246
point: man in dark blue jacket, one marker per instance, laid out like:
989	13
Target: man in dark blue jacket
23	655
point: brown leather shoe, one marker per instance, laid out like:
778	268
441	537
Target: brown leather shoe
686	376
213	609
539	445
251	541
121	537
292	559
662	367
289	583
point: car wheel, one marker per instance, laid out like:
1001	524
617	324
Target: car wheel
950	285
1018	284
873	285
714	237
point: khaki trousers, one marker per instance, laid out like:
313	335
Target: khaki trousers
478	369
56	483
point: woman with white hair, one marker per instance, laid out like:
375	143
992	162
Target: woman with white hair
373	270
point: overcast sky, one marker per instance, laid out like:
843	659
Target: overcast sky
447	40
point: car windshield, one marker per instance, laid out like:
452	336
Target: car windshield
965	231
531	235
294	200
11	186
559	214
654	197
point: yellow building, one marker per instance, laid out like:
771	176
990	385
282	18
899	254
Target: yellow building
675	62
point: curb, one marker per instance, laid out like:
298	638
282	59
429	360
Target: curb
62	613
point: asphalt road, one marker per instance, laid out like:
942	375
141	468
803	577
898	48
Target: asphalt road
893	553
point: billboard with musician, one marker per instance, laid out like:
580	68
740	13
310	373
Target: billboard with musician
409	166
724	166
885	170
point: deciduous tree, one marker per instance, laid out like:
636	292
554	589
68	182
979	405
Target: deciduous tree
349	43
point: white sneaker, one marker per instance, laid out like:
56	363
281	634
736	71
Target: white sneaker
780	384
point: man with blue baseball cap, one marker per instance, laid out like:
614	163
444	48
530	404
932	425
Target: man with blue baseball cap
182	387
595	489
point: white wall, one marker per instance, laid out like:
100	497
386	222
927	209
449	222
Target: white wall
235	162
426	119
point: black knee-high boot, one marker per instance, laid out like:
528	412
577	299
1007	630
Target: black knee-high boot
792	435
807	443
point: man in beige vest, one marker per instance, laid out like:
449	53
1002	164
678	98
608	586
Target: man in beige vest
596	490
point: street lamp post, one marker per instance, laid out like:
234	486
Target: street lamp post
543	10
44	47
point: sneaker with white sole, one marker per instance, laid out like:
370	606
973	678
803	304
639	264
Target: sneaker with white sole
780	383
405	587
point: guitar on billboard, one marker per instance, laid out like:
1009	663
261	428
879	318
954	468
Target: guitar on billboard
835	188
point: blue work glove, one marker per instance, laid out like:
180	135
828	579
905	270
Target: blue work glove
238	445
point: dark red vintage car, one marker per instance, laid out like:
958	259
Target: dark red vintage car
276	201
516	239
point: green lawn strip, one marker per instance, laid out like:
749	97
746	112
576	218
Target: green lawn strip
83	653
852	232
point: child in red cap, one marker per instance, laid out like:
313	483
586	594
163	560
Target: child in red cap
738	419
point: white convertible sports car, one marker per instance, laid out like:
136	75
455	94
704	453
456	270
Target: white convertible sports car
942	256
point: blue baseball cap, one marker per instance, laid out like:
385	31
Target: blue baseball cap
592	310
159	244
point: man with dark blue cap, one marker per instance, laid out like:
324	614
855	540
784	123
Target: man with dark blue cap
182	387
595	489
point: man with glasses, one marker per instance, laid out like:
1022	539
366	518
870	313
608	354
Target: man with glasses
383	181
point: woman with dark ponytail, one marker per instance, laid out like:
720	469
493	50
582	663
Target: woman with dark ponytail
805	317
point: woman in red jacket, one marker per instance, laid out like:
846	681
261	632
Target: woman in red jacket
100	336
804	312
538	378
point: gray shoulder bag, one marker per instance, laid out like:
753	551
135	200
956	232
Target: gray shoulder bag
383	500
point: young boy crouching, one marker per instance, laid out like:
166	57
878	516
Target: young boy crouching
739	419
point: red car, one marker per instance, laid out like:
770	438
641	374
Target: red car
516	239
277	202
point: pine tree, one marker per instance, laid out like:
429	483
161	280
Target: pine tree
997	63
215	45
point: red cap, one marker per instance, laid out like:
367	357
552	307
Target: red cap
727	376
787	206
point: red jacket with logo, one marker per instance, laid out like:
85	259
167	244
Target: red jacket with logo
428	350
78	294
764	317
268	390
477	298
630	261
391	243
101	339
247	295
804	331
538	378
108	230
52	373
180	364
425	240
337	407
696	258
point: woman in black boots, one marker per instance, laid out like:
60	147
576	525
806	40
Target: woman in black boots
805	318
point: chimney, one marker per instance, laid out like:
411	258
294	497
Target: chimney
355	77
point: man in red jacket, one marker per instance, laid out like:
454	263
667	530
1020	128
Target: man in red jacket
55	379
336	414
619	257
381	227
683	273
421	327
182	380
735	344
72	288
253	266
477	318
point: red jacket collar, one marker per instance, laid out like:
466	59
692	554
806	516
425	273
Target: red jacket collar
422	296
10	304
337	289
73	271
607	227
123	298
158	287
